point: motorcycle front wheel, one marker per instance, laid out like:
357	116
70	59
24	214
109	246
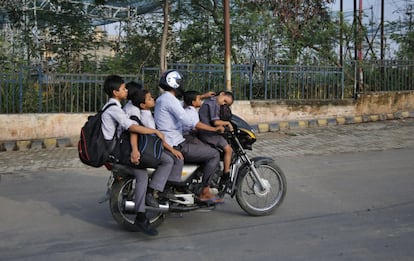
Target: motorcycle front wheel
122	191
258	201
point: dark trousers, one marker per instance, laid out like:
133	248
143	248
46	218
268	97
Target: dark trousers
196	151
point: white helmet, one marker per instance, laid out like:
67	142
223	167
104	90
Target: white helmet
172	80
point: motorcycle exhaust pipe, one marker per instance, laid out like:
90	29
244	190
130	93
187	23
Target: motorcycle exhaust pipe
129	206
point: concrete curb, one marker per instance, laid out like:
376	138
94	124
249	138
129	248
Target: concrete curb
340	120
49	143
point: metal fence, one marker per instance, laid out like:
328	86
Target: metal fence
386	76
30	90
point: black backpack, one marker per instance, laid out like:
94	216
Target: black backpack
225	113
149	145
92	147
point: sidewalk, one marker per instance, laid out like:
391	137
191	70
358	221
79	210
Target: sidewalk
379	135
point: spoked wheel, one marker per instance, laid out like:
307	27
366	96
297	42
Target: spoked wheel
258	201
123	191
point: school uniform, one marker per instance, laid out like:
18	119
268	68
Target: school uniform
189	133
114	121
169	168
170	117
192	115
208	113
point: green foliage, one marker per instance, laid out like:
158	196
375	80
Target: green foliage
280	31
200	32
66	34
404	37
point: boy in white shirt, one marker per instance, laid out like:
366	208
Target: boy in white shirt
114	122
139	107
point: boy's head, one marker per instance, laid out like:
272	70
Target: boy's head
192	98
140	97
134	89
114	87
225	98
132	85
146	101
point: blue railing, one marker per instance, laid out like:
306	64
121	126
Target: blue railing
29	90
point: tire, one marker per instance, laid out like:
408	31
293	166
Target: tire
121	191
256	202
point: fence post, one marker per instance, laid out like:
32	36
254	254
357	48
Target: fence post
342	82
39	82
21	90
355	79
265	77
251	79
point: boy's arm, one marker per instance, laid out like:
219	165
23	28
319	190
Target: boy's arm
224	124
135	155
135	128
205	127
207	95
175	152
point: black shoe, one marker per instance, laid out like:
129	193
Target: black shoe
224	179
145	227
151	201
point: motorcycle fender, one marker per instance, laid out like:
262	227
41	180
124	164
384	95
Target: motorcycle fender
260	160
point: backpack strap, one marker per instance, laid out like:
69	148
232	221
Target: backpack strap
135	118
117	124
107	106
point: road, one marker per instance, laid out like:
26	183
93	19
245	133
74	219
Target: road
349	200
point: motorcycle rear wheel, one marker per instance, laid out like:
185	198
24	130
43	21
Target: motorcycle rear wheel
121	191
256	201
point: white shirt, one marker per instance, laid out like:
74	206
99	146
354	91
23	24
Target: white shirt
114	119
132	110
147	119
192	114
169	117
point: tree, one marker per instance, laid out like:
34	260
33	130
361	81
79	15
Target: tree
200	32
282	31
403	34
67	33
305	29
166	24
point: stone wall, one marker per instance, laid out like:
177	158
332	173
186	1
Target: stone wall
256	112
20	131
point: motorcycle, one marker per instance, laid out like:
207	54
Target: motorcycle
258	184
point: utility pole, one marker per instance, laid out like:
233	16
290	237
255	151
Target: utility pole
361	73
360	32
227	53
341	23
382	30
356	86
356	25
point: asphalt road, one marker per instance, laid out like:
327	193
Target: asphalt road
341	204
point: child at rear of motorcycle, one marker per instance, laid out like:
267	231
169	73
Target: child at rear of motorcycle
139	109
114	121
209	114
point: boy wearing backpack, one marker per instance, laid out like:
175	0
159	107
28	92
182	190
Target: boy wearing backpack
138	108
114	121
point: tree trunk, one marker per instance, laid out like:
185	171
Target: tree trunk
163	49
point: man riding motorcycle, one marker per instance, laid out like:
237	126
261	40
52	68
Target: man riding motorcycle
170	116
